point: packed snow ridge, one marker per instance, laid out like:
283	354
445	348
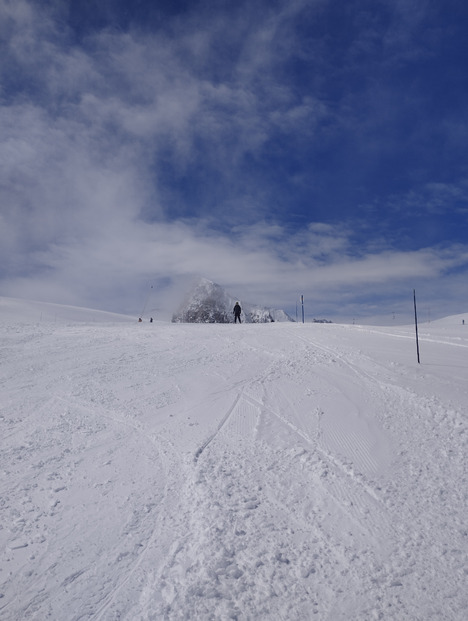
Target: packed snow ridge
208	302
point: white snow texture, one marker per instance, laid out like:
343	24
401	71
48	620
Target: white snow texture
215	471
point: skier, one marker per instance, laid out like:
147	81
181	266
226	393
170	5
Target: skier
237	312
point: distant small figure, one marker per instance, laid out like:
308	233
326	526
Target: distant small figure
140	319
151	320
237	312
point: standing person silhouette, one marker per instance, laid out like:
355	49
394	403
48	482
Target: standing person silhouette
237	312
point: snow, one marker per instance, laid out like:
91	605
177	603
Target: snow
208	302
220	471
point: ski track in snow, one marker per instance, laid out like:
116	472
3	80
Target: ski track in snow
232	472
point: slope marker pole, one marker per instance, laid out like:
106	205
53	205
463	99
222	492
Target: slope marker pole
416	324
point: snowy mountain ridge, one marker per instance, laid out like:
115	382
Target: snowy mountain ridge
208	302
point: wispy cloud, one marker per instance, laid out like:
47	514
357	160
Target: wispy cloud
134	155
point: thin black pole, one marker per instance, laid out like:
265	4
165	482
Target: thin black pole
302	300
416	324
146	302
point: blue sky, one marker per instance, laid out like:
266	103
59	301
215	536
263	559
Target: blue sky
279	148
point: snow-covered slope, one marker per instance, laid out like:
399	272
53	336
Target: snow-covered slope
24	310
208	302
270	471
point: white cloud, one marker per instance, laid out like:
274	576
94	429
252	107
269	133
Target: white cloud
85	215
111	267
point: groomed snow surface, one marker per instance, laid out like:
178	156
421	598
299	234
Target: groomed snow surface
265	471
